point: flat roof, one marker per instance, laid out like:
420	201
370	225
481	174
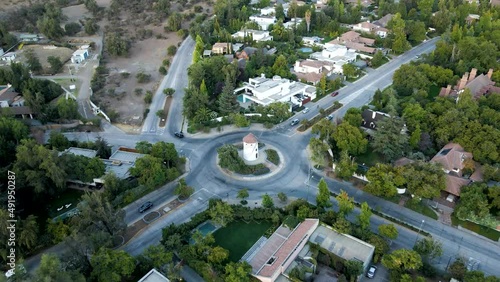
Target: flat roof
154	276
120	169
80	52
80	152
342	245
124	156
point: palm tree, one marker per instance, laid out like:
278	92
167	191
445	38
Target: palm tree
29	232
308	19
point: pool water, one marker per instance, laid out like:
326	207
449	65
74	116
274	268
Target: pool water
240	98
306	50
207	228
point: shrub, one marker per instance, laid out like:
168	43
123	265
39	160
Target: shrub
149	97
273	156
166	62
143	77
162	70
171	50
125	74
72	28
138	91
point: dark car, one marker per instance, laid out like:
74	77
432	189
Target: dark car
179	134
146	206
334	93
371	271
294	122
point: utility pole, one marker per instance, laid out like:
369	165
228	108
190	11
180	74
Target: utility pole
420	229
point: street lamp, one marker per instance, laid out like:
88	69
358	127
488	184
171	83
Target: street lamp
419	229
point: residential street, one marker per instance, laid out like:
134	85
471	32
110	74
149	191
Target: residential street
209	181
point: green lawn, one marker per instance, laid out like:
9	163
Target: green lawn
369	158
476	228
421	208
69	196
238	237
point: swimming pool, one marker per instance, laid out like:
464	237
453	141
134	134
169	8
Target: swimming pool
306	50
206	228
240	98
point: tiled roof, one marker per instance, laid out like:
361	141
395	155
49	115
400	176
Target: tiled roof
250	138
451	157
454	184
349	36
383	21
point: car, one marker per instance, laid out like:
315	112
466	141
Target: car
146	206
294	122
334	93
179	134
329	117
371	271
305	110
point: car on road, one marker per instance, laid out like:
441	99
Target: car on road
179	134
371	272
294	122
329	117
305	110
335	93
146	206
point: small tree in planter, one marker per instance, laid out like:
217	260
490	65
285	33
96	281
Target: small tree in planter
243	194
169	92
183	190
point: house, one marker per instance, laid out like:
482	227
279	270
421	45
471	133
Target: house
384	21
472	18
371	28
27	37
207	53
478	85
79	56
355	41
154	276
246	53
311	41
292	23
263	21
256	35
495	3
337	55
273	255
364	3
12	103
452	158
267	11
264	91
312	70
221	48
8	57
371	117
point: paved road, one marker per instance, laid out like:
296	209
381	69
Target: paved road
210	182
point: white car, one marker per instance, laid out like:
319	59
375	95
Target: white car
371	272
305	111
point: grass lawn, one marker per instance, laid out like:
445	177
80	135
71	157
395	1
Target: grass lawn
476	228
69	196
421	208
66	82
369	158
238	237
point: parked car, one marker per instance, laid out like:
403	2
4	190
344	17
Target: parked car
146	206
329	117
371	272
179	134
305	111
294	122
335	93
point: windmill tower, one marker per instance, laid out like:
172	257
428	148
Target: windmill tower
250	147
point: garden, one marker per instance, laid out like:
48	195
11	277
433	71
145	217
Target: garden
229	159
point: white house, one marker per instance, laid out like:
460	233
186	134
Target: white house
311	41
8	57
336	54
263	21
369	27
257	35
250	147
264	91
292	23
79	56
313	66
267	11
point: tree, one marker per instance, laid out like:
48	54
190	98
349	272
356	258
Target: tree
325	128
33	62
227	100
50	27
72	28
150	171
384	180
408	78
349	138
346	203
90	26
343	225
243	194
318	150
111	265
282	197
280	67
183	190
398	35
378	59
221	213
144	147
175	21
388	231
458	269
51	269
473	202
354	268
169	92
217	255
416	31
323	197
237	272
280	12
55	64
155	256
424	179
267	201
67	109
12	131
165	152
381	246
116	45
364	216
308	19
346	166
27	238
428	248
171	50
193	101
349	70
390	140
402	260
58	141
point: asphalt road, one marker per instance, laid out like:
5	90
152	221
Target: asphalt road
210	182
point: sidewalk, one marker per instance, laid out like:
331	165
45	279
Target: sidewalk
224	129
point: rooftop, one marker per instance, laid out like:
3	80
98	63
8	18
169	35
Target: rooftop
124	156
79	52
154	276
342	245
451	157
80	152
250	138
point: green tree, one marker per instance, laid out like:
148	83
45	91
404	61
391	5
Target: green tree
343	225
397	34
144	147
50	27
424	179
193	101
280	67
112	266
458	269
323	197
227	100
67	109
416	31
325	128
221	213
58	141
51	269
58	230
175	21
72	28
33	62
90	26
402	260
169	92
319	150
28	236
428	248
408	78
391	142
217	255
388	231
150	171
473	202
267	201
378	59
171	50
116	45
282	197
55	64
346	166
155	256
353	117
183	190
237	272
349	138
353	269
384	180
364	216
346	203
349	70
279	12
243	194
165	152
381	246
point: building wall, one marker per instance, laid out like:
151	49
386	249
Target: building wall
250	151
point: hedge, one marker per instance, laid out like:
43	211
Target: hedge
273	156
